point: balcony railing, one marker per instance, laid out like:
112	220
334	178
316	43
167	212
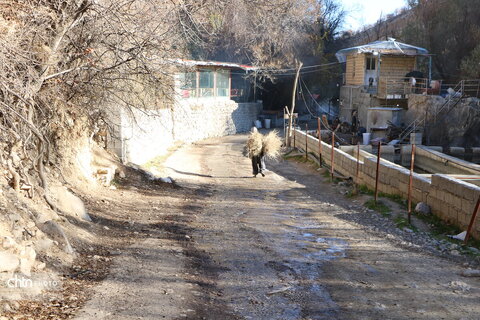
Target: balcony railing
401	87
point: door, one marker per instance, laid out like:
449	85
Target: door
371	73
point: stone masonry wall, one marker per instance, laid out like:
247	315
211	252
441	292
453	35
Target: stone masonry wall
450	199
458	127
142	135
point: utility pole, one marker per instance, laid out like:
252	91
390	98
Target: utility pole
292	109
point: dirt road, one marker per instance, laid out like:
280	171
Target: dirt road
280	247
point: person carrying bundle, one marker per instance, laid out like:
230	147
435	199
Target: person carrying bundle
259	147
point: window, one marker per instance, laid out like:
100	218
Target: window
371	63
188	84
223	83
206	83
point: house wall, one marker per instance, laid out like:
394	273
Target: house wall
394	67
450	199
142	135
355	69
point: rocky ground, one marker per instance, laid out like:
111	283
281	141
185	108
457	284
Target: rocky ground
220	244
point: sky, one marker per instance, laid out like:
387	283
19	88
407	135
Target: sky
364	12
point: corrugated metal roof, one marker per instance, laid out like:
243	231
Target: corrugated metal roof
193	63
390	46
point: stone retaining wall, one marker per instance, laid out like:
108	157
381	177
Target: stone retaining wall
141	135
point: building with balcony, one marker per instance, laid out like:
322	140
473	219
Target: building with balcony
378	78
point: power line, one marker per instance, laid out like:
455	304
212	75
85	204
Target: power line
306	67
293	73
326	125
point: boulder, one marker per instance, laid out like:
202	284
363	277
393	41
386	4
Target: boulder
422	208
8	262
27	260
8	243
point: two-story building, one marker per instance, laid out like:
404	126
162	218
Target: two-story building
378	78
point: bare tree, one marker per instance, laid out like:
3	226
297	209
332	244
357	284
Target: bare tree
63	61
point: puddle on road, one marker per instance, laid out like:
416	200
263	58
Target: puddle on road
320	226
322	249
335	248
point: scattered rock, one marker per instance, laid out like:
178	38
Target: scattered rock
455	252
6	308
40	266
43	245
471	273
105	175
27	259
8	262
422	208
166	180
14	217
8	243
459	286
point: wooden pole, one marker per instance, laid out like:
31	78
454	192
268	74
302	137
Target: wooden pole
410	184
472	221
319	140
294	140
306	141
332	156
292	110
378	169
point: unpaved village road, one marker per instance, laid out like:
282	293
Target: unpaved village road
279	247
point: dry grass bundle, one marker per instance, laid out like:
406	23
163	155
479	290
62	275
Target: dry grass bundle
254	144
272	144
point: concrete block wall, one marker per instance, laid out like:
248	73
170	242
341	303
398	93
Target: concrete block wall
344	163
146	134
454	200
431	160
450	199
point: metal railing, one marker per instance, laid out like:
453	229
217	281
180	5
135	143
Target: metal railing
401	87
451	101
469	88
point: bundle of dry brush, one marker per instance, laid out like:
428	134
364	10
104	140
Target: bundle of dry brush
268	145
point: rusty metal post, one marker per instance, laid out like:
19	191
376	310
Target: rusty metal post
410	184
472	221
378	169
332	156
306	141
358	163
320	141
